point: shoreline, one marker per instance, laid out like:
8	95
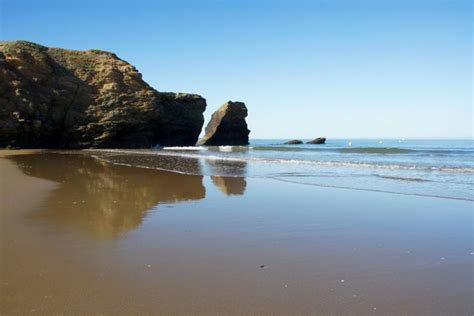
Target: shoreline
135	159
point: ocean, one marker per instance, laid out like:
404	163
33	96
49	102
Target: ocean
434	168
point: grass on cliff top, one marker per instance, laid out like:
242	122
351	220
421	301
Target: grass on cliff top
11	46
21	46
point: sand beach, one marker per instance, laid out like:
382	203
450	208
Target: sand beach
84	236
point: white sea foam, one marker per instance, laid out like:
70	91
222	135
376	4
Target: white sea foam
322	163
225	148
185	148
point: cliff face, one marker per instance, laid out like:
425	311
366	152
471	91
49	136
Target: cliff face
227	126
57	98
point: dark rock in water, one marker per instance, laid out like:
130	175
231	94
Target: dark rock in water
227	126
57	98
294	142
319	140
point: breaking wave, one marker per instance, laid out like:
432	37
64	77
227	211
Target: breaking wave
321	163
355	150
376	150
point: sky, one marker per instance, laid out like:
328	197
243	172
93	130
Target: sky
339	68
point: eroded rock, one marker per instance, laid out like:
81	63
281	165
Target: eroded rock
294	142
57	98
227	126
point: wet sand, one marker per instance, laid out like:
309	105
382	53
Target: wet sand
82	236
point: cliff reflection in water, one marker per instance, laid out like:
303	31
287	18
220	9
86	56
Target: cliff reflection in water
104	200
229	185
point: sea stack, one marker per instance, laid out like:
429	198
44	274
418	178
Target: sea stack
227	126
317	141
58	98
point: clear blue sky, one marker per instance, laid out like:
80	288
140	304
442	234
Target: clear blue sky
304	68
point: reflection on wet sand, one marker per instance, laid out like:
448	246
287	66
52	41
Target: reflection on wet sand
229	185
227	168
228	176
104	200
151	160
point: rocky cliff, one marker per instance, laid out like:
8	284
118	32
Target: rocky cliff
57	98
227	126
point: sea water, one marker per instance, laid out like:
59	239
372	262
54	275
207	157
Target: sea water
435	168
439	168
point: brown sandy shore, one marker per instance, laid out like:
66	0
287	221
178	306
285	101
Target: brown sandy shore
80	236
